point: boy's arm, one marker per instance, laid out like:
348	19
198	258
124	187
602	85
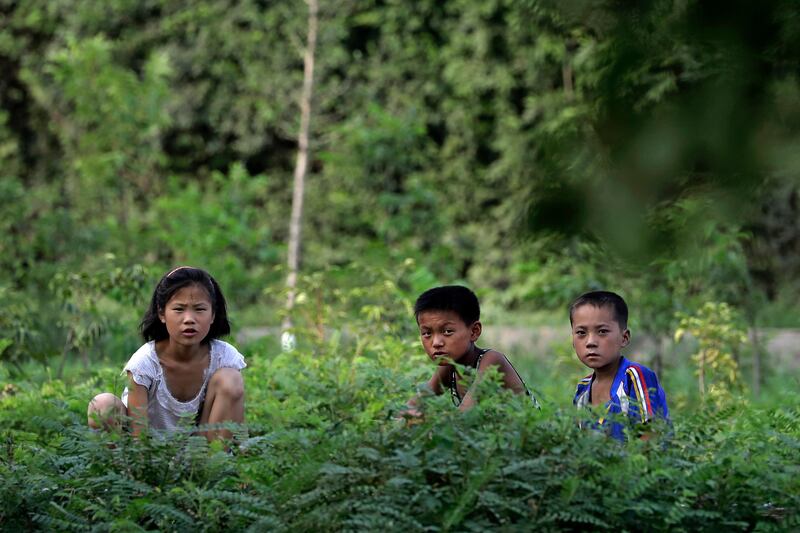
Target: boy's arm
434	384
651	401
137	406
497	360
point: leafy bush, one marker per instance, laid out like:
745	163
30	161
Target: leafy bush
323	452
76	315
231	220
715	328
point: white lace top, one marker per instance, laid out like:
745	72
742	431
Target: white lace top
164	411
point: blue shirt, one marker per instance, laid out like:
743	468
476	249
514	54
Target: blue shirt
635	393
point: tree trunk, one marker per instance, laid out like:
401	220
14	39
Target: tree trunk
702	374
295	224
566	76
756	360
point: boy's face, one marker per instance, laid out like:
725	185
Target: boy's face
445	335
597	337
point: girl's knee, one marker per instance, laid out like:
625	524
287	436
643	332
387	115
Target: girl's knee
228	382
105	410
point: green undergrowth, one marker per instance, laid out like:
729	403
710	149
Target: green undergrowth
323	451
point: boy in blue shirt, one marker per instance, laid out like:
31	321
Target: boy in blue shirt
629	390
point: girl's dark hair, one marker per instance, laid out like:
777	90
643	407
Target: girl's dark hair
154	330
455	298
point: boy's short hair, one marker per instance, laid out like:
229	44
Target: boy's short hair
454	298
603	299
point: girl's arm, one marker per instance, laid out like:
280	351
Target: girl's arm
137	406
499	361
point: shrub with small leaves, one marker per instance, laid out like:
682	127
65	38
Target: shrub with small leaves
322	451
716	329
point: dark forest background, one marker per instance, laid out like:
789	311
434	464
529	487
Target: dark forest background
530	149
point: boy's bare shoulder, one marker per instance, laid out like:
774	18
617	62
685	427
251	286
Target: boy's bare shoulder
493	358
499	361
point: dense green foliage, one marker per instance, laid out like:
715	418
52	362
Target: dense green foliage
532	149
322	452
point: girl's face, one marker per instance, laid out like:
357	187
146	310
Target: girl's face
188	315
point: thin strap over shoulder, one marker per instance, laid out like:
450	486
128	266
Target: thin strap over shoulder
456	397
527	390
480	356
454	394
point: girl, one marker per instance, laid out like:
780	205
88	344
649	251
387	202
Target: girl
182	371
